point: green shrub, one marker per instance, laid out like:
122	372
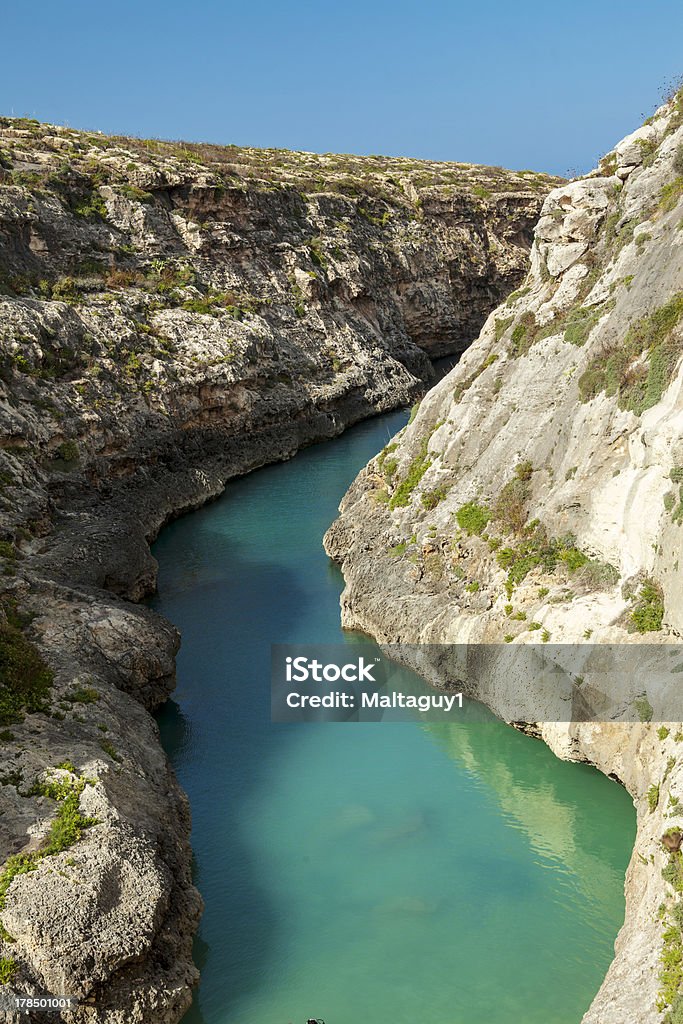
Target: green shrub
643	708
464	385
416	470
671	973
638	385
430	499
535	549
514	296
91	206
523	334
83	695
137	194
598	575
501	326
18	864
25	679
382	458
648	151
573	558
8	969
648	612
69	824
317	255
673	871
66	829
509	508
215	303
110	749
671	195
653	797
68	451
65	289
8	551
473	518
579	327
675	1014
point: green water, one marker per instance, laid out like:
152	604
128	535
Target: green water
452	874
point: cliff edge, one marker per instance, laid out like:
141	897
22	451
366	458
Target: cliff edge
536	497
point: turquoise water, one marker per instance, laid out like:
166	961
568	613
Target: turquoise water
452	874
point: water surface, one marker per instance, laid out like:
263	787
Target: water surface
453	874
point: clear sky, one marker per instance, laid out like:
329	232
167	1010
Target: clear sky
530	84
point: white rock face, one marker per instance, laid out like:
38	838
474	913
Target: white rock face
562	429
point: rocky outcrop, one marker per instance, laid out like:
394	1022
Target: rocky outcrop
172	315
535	496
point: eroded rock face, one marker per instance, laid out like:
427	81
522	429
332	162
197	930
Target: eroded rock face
171	316
535	495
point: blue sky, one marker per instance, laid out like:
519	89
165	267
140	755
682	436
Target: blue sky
527	84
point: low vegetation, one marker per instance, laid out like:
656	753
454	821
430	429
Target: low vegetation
416	470
473	518
25	678
638	371
648	608
67	828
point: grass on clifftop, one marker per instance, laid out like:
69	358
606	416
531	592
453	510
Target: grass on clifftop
390	179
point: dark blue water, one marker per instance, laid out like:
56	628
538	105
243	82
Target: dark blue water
456	874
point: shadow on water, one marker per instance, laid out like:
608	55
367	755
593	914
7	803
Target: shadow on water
230	580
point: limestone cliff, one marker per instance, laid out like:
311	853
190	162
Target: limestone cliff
536	496
172	315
